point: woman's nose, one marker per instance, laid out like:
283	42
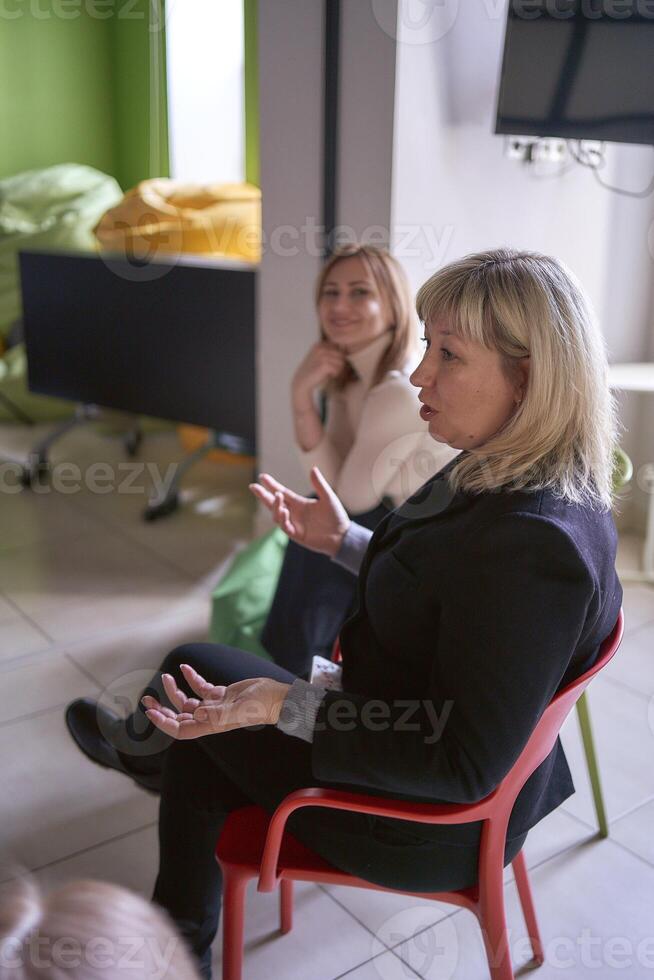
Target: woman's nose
423	376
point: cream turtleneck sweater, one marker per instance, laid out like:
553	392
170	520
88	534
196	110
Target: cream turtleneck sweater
375	444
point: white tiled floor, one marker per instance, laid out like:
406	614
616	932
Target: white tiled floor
92	597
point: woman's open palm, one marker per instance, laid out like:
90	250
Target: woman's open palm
316	523
255	701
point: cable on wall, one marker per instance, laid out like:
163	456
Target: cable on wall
594	157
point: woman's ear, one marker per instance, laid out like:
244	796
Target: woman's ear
522	378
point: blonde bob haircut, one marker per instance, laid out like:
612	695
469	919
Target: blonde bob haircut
563	434
393	286
87	930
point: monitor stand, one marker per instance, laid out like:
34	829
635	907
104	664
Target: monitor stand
160	504
38	464
167	501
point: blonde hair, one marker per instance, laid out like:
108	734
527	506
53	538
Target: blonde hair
563	434
87	930
393	285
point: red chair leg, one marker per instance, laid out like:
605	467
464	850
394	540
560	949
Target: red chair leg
234	886
492	919
527	902
286	905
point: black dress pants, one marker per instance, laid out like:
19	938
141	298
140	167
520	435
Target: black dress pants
204	780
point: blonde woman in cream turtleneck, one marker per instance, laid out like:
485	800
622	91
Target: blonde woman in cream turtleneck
373	445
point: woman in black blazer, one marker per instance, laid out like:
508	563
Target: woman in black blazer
478	598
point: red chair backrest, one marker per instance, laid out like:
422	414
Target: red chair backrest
542	739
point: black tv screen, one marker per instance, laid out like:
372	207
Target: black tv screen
580	69
174	341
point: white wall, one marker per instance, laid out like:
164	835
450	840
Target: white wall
290	65
366	106
455	192
291	73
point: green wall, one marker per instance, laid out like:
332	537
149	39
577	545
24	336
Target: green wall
77	89
140	134
251	37
56	104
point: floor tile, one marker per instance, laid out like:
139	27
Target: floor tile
638	605
216	509
624	742
19	638
633	665
430	950
635	831
558	832
374	908
77	588
594	910
129	860
630	551
28	517
552	835
199	543
54	801
34	687
324	943
7	610
112	656
387	966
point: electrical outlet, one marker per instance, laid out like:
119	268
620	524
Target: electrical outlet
549	150
518	147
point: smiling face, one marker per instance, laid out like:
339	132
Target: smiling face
351	309
466	391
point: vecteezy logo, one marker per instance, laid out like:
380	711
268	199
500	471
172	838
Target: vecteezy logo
121	697
429	948
141	249
417	21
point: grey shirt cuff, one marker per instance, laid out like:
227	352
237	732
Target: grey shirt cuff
300	710
353	547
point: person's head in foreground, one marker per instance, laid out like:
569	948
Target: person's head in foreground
87	930
515	372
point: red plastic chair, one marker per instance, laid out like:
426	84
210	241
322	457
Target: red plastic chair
254	844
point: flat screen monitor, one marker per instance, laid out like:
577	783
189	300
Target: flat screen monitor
580	69
174	340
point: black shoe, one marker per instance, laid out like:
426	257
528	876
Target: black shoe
87	722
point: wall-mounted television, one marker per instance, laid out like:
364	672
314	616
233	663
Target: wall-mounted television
579	69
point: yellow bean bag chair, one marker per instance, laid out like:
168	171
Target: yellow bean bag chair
162	216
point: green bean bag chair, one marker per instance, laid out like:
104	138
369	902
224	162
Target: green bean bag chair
57	207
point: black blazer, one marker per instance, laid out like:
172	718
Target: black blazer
473	611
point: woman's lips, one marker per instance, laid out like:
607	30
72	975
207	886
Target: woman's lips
427	413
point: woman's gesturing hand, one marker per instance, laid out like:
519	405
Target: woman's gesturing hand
215	709
322	362
319	524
